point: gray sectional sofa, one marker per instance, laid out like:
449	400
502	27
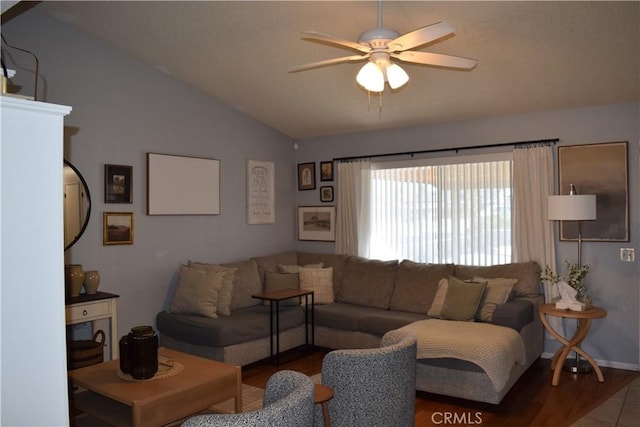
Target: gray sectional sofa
370	298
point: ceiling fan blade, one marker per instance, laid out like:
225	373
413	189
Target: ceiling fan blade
326	62
437	59
326	38
421	36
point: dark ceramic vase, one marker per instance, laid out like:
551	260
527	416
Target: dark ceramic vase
139	353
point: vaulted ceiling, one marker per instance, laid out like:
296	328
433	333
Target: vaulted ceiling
532	56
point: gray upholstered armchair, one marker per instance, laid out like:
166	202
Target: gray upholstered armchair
372	387
288	401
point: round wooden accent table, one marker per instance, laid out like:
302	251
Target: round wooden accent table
584	322
323	394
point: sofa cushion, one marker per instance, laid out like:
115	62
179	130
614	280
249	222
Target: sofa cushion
197	292
527	274
497	293
320	281
438	300
335	261
462	299
514	314
226	292
383	321
245	283
341	316
368	282
416	285
295	269
278	281
245	324
270	262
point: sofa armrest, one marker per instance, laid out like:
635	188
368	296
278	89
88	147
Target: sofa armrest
515	314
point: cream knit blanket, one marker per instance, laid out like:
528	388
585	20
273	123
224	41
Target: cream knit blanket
493	348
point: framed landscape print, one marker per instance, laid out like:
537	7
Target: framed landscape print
599	169
117	184
306	176
317	223
117	228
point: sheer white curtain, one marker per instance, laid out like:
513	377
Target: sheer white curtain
352	222
533	183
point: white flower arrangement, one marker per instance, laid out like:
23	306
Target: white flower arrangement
574	278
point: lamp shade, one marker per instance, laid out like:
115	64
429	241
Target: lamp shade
572	207
371	78
396	76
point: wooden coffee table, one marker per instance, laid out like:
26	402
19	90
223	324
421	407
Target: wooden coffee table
117	401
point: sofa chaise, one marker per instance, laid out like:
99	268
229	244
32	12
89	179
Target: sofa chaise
358	300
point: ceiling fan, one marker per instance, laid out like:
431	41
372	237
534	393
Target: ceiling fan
380	46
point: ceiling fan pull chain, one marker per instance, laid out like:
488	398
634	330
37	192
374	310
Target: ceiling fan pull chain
380	105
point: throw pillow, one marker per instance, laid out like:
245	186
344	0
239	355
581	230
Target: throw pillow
226	292
438	300
278	281
295	269
497	293
319	280
197	292
462	300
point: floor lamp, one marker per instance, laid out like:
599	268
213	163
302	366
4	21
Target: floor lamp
574	207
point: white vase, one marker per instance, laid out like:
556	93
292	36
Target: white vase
91	281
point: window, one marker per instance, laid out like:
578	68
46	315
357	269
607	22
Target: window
455	211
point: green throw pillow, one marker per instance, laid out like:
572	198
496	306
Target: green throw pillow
278	281
462	300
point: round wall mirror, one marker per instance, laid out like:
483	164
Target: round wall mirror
77	205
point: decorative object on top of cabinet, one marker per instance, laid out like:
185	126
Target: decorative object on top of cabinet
260	192
117	228
117	184
91	281
317	223
599	169
181	185
73	279
326	193
326	171
77	204
306	176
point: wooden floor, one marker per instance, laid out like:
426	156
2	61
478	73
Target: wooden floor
533	401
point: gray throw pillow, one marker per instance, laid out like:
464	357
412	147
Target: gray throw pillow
497	293
197	292
226	292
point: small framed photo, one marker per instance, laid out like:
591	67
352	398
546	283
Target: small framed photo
317	223
326	171
306	176
117	228
326	193
117	184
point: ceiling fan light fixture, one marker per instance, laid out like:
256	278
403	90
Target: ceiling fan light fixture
396	76
371	77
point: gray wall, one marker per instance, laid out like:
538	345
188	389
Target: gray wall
123	109
612	284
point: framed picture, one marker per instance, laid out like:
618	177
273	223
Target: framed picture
306	176
117	184
317	223
182	185
326	171
599	169
326	193
117	228
260	192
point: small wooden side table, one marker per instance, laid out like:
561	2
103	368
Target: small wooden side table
584	322
281	295
321	395
93	307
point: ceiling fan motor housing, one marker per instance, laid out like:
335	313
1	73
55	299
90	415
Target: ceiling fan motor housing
378	37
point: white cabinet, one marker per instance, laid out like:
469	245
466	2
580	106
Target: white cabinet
32	306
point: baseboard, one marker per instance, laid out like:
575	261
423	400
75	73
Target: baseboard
605	363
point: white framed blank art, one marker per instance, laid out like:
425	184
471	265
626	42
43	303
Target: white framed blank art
181	185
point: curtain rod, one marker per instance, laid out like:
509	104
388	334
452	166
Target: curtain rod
456	149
